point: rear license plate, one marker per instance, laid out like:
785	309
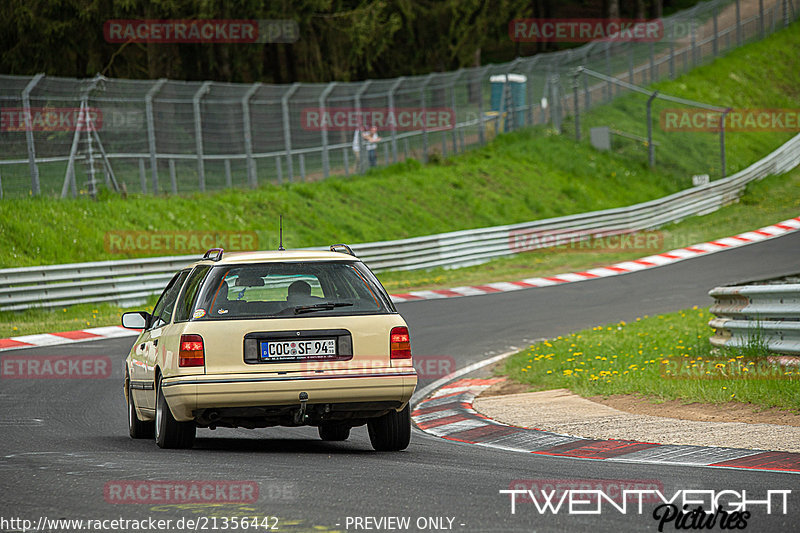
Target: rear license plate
305	349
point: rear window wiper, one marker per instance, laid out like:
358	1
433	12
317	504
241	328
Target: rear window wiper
320	307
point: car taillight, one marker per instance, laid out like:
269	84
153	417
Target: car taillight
400	343
191	352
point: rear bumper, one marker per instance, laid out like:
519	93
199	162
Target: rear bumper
186	394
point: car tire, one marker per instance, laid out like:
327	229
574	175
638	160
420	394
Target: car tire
169	432
137	428
391	432
334	432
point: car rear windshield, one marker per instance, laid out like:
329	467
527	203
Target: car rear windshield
288	290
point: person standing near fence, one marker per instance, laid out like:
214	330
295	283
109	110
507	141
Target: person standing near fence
372	138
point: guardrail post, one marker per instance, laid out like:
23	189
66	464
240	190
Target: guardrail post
287	132
326	170
151	131
26	105
651	149
392	89
252	170
198	134
722	141
361	156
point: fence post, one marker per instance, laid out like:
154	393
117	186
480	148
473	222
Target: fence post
252	173
653	76
630	62
142	174
326	169
761	18
609	87
575	103
651	149
69	175
198	134
481	131
392	89
287	132
424	129
785	4
738	22
694	44
459	73
360	162
26	104
722	141
172	177
151	131
1	186
228	178
716	32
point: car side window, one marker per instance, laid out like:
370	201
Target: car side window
162	314
186	301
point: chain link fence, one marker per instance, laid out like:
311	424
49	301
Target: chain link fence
64	137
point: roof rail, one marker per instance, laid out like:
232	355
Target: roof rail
342	249
217	257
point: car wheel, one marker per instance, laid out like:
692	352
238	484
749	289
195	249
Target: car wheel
391	432
169	432
137	428
333	432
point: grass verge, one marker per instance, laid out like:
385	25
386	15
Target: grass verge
765	202
664	357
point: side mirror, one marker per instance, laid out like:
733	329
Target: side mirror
136	320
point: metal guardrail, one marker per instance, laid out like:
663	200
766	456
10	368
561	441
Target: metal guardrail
768	314
130	281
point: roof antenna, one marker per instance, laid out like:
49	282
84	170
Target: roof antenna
280	244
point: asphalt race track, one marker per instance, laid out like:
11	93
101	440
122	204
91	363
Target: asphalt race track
62	441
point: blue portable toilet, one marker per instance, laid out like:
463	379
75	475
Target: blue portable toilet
518	89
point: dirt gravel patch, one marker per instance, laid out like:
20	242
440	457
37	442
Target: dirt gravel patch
561	411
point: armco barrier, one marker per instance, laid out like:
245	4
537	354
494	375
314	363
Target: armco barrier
132	280
757	313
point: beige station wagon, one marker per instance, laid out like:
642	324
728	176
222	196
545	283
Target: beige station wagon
259	339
